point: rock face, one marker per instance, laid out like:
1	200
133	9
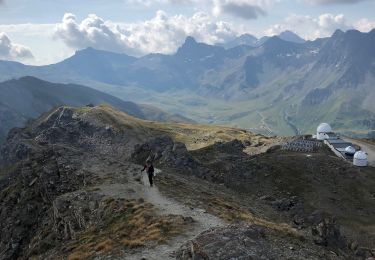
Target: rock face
47	163
67	126
326	231
169	154
27	193
246	242
235	242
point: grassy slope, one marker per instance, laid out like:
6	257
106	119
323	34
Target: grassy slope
193	135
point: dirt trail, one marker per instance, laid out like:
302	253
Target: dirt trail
165	206
366	147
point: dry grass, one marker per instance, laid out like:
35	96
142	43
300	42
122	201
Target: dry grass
133	226
232	212
194	136
79	255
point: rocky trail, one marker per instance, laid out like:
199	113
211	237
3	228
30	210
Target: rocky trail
138	187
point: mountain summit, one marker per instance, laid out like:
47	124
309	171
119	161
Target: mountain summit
191	49
291	37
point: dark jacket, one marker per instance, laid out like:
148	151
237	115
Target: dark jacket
149	169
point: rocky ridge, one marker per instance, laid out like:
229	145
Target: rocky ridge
71	188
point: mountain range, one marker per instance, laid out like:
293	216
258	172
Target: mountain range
28	97
279	86
251	40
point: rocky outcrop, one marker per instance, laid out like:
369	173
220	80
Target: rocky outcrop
169	154
26	195
248	242
326	230
69	127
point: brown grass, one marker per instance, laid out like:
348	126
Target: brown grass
105	246
79	255
232	212
194	136
134	226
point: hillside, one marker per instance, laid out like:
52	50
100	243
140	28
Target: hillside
28	97
71	188
281	87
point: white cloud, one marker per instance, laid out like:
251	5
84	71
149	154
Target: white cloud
92	31
13	51
246	9
311	27
327	2
364	25
330	22
28	29
158	2
161	34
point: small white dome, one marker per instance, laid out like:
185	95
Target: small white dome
360	155
324	128
360	159
350	150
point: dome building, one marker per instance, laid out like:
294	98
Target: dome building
350	150
322	131
360	159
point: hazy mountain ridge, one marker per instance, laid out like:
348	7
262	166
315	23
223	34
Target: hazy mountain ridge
28	97
288	83
251	40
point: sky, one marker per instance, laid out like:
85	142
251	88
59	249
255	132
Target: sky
41	32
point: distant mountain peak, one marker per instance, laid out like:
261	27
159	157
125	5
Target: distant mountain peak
190	40
85	50
273	40
191	48
248	36
243	39
190	43
338	33
27	78
291	37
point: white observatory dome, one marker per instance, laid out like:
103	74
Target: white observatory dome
360	159
324	128
322	131
350	150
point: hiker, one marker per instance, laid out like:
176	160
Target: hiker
150	171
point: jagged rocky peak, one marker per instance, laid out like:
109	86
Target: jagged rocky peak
188	44
192	49
338	33
190	41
